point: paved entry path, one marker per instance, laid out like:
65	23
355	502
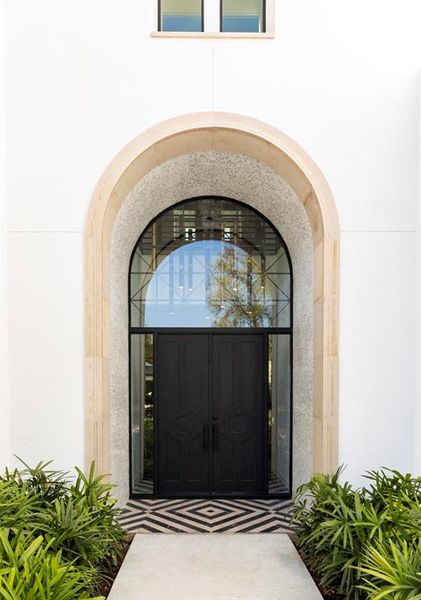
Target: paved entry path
213	567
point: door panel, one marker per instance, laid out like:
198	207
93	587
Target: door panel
183	414
211	408
238	414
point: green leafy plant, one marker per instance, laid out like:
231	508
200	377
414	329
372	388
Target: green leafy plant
324	517
83	524
45	483
149	449
17	502
336	525
392	571
67	526
29	570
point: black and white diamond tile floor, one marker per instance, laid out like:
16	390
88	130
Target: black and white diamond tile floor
206	516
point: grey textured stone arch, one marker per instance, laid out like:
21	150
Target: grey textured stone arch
236	176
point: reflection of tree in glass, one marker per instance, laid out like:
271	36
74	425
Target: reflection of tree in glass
148	455
237	295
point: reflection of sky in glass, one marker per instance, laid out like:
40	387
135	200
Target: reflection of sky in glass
210	262
211	283
247	24
178	293
181	23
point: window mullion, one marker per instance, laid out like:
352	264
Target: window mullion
212	15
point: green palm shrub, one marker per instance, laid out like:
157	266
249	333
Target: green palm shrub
338	526
392	571
17	503
324	519
83	524
46	484
96	497
66	526
28	569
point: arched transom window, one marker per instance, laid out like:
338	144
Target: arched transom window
210	262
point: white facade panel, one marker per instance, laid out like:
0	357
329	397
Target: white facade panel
82	80
353	107
418	321
378	345
4	325
46	347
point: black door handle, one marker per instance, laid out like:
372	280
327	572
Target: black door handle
214	437
205	437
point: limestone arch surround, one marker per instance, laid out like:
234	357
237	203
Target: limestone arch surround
205	132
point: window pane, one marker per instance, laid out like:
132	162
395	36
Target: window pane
243	15
181	15
210	262
279	376
142	413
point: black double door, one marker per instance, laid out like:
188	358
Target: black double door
211	413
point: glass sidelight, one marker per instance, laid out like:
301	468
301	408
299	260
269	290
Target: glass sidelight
279	413
142	413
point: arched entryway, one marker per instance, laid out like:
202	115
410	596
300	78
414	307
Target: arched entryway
194	135
210	321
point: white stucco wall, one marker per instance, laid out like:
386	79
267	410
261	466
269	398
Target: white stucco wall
4	375
83	78
417	400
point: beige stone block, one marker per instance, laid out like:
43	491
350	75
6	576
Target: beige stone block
318	385
319	315
135	171
212	35
318	278
312	207
331	325
196	140
326	383
326	444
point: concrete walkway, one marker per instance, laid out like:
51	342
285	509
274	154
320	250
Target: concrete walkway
213	567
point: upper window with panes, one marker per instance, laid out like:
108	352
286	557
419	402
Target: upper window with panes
226	16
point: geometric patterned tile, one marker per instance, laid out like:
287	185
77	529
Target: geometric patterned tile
206	516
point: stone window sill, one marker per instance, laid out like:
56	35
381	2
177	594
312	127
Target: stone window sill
212	35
